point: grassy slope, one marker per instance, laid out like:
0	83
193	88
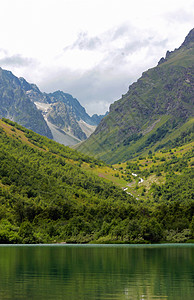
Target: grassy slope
50	193
123	153
167	83
148	168
94	166
116	173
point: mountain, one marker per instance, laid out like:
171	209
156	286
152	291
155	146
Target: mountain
50	193
17	106
97	118
68	114
66	118
56	115
156	110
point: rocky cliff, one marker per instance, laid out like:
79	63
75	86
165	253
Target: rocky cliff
64	114
56	115
17	106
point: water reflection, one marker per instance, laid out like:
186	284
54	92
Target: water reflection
90	272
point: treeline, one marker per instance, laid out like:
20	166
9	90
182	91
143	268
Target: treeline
46	196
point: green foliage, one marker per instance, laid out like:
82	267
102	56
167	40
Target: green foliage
154	138
134	137
47	196
8	232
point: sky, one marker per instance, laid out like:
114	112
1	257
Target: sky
91	49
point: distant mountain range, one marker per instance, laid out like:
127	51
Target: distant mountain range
155	113
56	115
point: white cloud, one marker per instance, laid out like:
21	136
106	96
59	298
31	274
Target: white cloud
84	42
16	60
91	49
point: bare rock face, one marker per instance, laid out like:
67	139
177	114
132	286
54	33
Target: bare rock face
63	117
17	106
64	112
56	115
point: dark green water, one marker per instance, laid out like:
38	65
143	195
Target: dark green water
97	272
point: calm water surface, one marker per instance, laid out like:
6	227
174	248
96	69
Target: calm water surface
78	272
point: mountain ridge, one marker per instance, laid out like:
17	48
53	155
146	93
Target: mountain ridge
17	106
155	106
64	112
56	115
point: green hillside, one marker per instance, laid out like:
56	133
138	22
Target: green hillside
50	193
165	176
155	112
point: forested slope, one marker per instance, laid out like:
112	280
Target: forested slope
51	193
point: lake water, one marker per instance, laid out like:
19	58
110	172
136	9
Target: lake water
81	272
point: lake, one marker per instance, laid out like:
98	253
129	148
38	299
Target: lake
81	272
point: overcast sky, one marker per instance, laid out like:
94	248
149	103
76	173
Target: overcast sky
92	49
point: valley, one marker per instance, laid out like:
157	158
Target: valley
50	193
128	176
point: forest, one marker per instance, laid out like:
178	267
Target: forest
50	193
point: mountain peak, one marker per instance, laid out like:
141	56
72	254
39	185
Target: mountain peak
152	114
189	39
187	44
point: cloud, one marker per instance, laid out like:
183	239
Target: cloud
180	15
125	39
101	42
113	60
126	52
16	60
97	65
84	42
3	51
96	88
121	30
